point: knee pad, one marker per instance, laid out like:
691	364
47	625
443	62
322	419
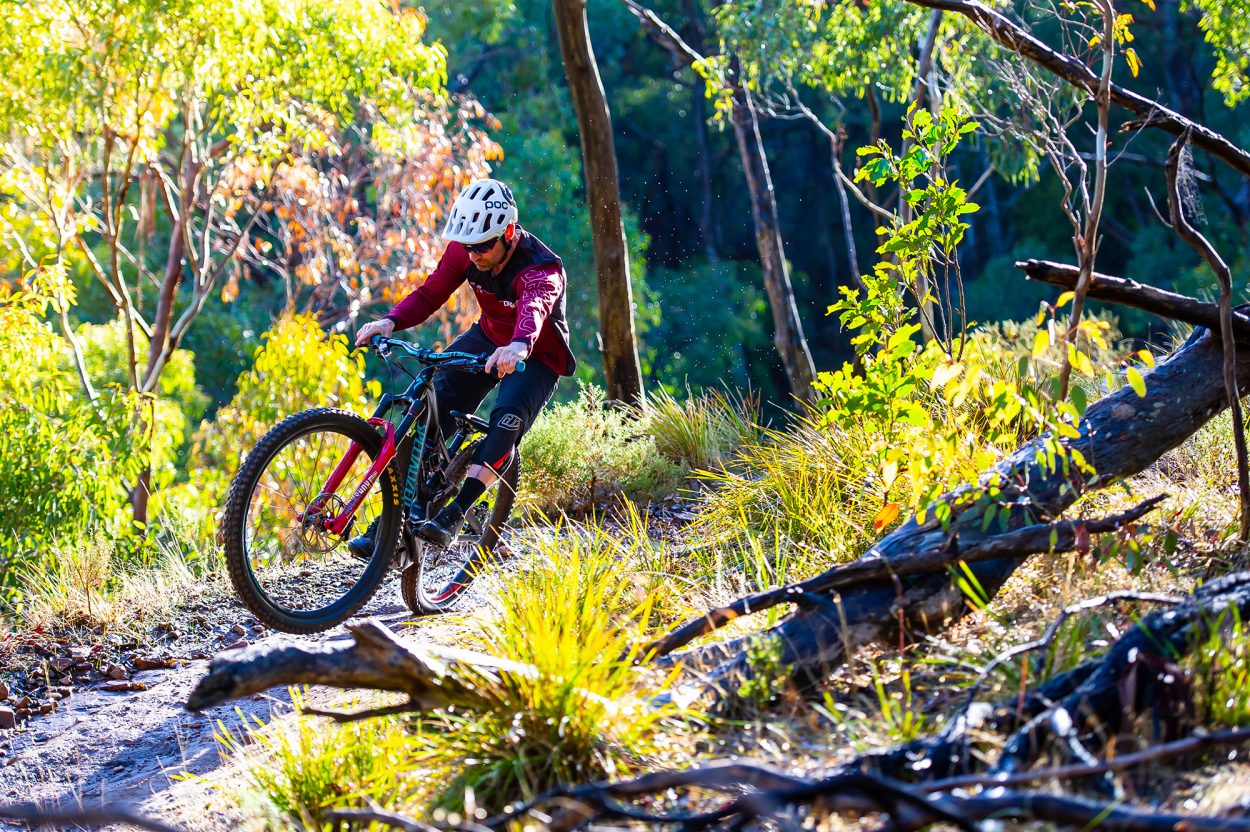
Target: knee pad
505	430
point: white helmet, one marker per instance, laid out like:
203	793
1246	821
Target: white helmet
481	212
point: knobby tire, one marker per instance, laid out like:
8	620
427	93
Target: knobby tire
235	522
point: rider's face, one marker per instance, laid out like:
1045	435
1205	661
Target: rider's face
490	258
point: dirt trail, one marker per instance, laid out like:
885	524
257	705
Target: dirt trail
137	747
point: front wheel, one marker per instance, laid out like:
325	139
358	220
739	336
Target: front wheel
295	574
438	578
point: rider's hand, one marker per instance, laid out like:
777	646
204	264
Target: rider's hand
383	327
504	359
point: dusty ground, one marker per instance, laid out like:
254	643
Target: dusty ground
142	748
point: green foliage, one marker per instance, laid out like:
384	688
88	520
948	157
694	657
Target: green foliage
271	75
63	461
1226	26
304	769
582	452
1221	671
178	403
297	367
843	49
768	676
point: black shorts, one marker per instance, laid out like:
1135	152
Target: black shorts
525	393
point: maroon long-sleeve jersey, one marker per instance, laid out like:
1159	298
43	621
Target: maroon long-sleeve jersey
525	302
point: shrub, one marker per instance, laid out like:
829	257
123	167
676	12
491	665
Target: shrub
581	452
64	461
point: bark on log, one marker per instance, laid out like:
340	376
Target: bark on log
433	677
1121	435
622	369
1128	292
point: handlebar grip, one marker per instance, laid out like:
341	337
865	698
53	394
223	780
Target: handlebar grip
520	367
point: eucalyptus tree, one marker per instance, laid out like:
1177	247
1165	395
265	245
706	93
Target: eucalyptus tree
160	129
622	369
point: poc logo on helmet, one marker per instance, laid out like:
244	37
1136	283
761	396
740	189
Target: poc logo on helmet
493	205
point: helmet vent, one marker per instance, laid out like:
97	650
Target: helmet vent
486	225
488	194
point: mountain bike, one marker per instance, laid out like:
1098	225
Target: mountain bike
324	475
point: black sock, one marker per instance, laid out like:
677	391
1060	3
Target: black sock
470	492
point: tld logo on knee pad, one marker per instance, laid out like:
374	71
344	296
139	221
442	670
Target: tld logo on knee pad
510	421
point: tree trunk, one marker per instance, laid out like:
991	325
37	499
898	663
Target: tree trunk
788	329
594	124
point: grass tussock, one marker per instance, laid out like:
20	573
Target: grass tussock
805	485
576	614
94	586
295	771
704	431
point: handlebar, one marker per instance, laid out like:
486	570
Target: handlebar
464	361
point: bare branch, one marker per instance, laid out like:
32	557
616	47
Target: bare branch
1012	36
1036	539
1128	292
1200	244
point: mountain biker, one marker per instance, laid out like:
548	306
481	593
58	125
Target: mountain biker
519	284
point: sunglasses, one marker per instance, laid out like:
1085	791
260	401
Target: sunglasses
482	247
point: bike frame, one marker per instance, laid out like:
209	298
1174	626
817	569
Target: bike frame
419	400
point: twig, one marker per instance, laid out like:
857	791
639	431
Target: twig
1200	244
1179	748
1053	630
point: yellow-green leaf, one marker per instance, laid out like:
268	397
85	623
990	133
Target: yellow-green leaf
1134	63
1136	381
1040	342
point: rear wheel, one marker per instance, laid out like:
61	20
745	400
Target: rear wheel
290	570
438	578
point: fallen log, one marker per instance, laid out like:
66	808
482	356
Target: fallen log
1050	538
433	677
1121	435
